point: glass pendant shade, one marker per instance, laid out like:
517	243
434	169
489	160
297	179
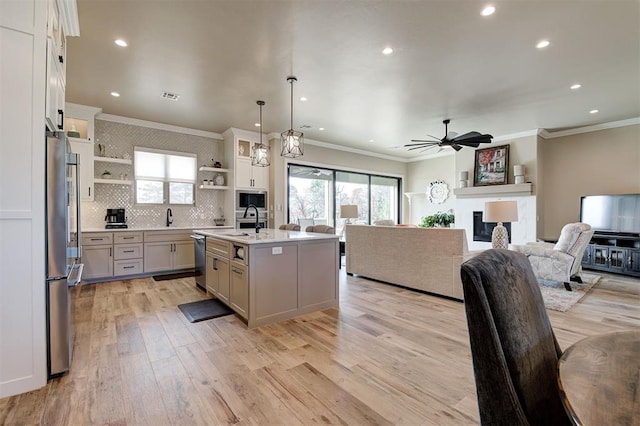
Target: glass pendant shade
260	155
292	141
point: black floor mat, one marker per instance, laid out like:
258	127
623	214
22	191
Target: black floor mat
174	276
204	310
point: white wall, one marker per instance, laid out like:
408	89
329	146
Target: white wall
419	175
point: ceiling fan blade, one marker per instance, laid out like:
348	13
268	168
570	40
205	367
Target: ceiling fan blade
413	148
424	141
456	146
471	144
474	137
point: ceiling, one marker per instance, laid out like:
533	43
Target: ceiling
485	73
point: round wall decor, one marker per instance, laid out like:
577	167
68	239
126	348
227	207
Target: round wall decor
438	192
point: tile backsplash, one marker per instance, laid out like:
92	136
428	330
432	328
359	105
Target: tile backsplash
119	140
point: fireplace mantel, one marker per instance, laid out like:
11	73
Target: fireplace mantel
513	190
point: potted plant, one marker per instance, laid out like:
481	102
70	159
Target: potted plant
439	219
106	174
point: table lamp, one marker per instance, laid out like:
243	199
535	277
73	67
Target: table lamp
348	211
500	211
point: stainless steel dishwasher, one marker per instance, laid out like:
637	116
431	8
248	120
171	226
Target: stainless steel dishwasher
200	248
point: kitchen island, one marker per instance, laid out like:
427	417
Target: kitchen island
273	275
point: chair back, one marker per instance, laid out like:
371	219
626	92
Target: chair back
290	227
323	229
515	353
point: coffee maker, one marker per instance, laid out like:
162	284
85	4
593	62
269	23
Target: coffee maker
115	218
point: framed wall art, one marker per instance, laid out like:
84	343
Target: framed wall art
491	166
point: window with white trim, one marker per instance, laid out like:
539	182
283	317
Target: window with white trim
164	177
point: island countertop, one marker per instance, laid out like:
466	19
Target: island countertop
265	236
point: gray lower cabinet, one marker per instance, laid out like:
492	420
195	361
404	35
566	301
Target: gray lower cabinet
97	255
239	297
167	251
217	276
619	254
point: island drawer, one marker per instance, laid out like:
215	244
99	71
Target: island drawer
97	238
127	267
127	237
218	247
127	251
172	235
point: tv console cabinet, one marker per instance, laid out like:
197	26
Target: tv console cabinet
617	253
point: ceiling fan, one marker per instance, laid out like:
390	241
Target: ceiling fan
472	139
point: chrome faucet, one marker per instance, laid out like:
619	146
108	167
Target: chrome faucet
257	216
169	217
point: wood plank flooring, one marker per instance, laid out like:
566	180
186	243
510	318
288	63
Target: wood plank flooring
386	356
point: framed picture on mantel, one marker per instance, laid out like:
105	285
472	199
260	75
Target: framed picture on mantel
491	166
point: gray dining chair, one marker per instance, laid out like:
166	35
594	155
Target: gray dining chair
515	353
323	229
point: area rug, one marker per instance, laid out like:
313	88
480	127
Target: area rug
557	298
204	310
173	276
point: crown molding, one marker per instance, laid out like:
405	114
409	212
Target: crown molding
327	145
159	126
546	134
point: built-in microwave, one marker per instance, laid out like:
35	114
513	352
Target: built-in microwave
245	198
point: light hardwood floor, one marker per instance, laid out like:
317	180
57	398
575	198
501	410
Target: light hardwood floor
387	356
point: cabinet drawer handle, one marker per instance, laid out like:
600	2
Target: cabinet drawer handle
237	272
89	191
128	267
127	251
128	238
97	239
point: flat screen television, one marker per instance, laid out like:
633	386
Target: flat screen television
618	214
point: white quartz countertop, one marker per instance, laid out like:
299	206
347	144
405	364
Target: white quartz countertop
266	236
158	228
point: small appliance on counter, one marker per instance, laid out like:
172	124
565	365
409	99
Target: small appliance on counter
116	219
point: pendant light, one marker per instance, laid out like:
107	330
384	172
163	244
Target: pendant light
260	152
292	141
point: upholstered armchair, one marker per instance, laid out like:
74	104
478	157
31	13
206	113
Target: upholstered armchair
561	261
514	350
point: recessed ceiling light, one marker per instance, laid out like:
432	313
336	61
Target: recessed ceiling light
542	44
387	51
303	99
321	128
120	42
371	140
257	124
576	86
488	10
593	111
115	94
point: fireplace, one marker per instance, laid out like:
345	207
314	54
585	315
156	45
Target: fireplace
482	230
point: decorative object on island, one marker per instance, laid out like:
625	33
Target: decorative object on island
348	211
438	220
106	174
464	177
438	192
491	166
260	155
500	211
518	173
292	141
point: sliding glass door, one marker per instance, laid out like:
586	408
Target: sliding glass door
316	195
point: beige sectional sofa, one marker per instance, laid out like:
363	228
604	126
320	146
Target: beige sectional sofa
425	259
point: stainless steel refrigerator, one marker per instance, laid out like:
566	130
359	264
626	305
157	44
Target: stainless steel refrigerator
63	244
